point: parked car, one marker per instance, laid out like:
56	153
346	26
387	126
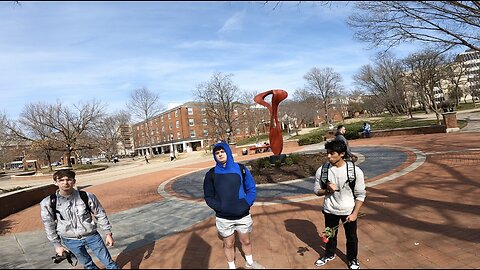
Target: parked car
56	163
86	161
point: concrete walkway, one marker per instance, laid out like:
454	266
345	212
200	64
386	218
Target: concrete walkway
419	214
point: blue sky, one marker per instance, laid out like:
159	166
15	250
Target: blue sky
76	51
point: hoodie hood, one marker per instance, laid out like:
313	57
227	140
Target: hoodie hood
228	152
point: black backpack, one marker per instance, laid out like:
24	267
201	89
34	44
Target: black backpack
351	176
242	169
53	204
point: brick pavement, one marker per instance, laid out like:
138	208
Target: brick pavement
424	219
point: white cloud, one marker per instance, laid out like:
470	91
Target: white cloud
233	23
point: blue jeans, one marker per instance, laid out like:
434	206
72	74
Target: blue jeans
96	244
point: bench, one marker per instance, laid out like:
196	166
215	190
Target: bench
259	149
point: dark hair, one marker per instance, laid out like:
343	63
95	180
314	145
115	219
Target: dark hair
218	147
336	146
62	173
340	126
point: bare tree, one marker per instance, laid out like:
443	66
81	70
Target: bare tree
5	140
325	84
455	71
144	105
384	81
106	131
301	109
63	128
253	115
443	23
426	69
220	96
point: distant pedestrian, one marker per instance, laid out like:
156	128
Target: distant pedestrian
366	130
172	156
343	185
70	218
146	159
230	190
340	136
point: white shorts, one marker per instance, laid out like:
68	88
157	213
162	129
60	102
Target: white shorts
227	227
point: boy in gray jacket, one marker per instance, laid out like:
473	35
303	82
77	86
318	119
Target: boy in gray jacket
69	224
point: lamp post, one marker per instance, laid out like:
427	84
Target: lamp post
173	147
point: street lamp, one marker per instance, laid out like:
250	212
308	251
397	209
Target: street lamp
173	147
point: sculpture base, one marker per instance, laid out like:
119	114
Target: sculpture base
277	158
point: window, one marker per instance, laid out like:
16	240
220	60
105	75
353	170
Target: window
170	126
204	111
192	133
178	135
235	112
190	111
161	118
176	113
205	132
191	122
204	122
169	116
163	128
177	124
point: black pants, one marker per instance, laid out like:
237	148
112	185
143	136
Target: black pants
350	234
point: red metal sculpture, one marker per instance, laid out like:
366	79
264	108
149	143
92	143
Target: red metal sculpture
276	138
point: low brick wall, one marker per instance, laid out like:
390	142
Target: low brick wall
409	131
15	201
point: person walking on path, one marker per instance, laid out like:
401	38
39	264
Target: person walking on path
146	159
340	136
343	185
67	216
366	130
229	189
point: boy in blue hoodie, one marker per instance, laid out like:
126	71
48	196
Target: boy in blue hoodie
231	196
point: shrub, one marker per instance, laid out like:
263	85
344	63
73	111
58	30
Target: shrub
289	161
295	158
263	163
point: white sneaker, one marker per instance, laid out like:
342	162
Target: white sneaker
323	260
254	265
353	264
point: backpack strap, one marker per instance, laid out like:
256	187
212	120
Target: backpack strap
324	175
351	176
53	205
84	197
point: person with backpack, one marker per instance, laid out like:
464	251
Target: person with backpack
70	218
343	185
230	190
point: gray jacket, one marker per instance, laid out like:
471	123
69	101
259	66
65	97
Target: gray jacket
73	220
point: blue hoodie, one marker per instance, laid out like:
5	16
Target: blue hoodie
224	192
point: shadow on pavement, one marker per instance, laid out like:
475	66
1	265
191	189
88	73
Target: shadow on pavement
133	255
197	253
307	232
